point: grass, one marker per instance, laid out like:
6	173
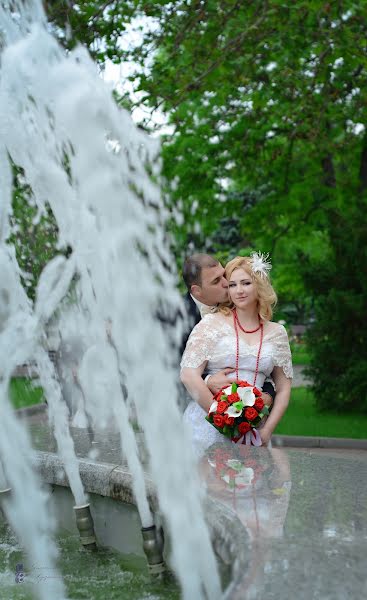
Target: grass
300	355
302	418
23	393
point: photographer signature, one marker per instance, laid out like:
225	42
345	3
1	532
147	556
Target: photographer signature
21	574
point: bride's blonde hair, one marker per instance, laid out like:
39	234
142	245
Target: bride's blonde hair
267	297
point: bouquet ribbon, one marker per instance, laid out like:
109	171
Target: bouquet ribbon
252	438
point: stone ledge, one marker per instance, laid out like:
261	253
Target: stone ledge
229	536
34	409
303	441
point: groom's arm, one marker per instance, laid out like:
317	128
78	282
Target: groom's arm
218	380
268	393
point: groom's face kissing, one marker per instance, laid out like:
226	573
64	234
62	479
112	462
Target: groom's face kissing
213	288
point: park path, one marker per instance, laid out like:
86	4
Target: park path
299	380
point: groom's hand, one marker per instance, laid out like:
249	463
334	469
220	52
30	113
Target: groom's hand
218	380
267	399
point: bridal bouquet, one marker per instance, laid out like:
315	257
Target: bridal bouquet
237	474
236	411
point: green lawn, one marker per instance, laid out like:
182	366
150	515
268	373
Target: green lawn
300	355
22	393
302	418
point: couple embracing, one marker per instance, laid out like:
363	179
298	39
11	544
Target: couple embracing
234	339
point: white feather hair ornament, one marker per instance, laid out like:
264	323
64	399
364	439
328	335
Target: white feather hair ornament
260	263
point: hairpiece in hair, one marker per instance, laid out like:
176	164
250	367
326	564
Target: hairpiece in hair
260	263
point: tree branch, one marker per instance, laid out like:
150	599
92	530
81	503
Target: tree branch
363	166
233	44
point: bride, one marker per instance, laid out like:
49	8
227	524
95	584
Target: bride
240	335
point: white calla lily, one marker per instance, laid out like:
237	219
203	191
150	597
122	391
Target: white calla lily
228	390
247	395
245	477
233	412
213	407
235	464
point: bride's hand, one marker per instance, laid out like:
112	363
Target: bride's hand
219	380
265	436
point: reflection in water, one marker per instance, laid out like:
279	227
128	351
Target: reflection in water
255	484
305	513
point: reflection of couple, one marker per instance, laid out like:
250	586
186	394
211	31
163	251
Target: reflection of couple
234	338
256	486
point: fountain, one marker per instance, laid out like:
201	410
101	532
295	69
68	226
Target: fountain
275	517
57	122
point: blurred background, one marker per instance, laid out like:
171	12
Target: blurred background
261	110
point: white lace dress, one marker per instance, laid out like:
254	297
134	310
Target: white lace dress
213	341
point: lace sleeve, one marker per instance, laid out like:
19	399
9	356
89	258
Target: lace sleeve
201	342
282	352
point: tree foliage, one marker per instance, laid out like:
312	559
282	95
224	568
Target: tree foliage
268	146
269	149
34	235
338	337
97	24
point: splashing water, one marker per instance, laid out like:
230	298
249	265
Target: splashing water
27	508
58	120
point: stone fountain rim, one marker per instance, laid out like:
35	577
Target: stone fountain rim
229	536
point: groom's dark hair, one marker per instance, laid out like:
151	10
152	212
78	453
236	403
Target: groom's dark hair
193	266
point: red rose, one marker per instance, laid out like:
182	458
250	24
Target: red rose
229	420
222	406
257	392
231	473
244	384
233	398
221	456
259	404
251	413
219	420
244	427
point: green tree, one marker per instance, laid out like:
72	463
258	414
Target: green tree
267	105
34	235
338	337
269	148
97	24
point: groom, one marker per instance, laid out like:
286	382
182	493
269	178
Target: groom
207	287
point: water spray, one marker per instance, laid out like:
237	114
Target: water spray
4	495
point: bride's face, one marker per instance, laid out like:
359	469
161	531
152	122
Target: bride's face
242	290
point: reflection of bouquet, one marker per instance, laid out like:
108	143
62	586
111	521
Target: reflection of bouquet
236	474
236	411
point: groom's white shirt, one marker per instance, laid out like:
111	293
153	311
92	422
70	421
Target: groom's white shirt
204	309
